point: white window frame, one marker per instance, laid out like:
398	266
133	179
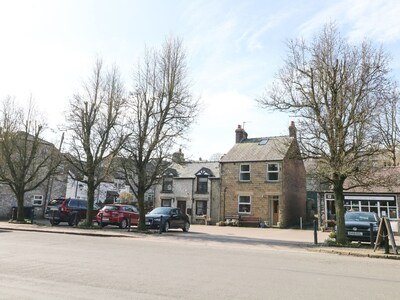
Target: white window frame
241	172
164	202
278	171
168	184
37	200
202	202
241	202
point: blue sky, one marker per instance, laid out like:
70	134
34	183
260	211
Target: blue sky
234	50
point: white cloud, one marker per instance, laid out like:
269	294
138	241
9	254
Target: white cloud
234	48
358	19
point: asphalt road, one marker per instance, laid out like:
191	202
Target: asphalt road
37	265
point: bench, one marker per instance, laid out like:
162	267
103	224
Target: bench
328	225
249	221
232	220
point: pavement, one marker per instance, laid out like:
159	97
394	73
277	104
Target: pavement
244	236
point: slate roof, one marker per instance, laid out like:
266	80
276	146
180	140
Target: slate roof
189	169
259	149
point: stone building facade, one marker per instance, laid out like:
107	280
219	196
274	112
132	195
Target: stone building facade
193	187
264	178
54	187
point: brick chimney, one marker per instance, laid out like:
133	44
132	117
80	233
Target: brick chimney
240	134
178	157
292	130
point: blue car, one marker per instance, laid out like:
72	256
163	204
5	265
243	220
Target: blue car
167	218
358	225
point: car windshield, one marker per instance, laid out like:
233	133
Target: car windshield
55	202
161	210
110	207
360	217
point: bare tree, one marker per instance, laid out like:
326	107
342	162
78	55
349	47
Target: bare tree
161	109
26	160
94	127
387	126
335	89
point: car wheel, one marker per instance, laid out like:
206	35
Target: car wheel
186	227
123	224
74	218
54	222
101	224
166	226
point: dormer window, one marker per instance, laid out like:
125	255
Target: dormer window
202	180
169	175
167	184
202	184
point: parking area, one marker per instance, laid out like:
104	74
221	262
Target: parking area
273	238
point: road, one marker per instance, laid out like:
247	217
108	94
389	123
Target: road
36	265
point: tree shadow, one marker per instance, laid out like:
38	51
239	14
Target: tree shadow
240	240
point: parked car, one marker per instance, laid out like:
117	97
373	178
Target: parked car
171	218
117	214
358	225
67	210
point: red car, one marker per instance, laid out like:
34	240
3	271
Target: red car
117	214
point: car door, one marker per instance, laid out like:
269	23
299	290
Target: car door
181	219
82	209
176	218
132	213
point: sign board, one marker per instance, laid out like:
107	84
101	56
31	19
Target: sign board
385	223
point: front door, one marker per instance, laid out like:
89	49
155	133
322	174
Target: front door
275	212
182	206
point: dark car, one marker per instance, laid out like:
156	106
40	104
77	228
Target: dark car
171	218
358	225
67	210
118	214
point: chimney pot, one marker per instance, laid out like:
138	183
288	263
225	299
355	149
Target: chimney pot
292	130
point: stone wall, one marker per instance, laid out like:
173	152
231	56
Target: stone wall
294	189
291	191
53	188
257	188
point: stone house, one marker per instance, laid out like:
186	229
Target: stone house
54	187
193	187
264	178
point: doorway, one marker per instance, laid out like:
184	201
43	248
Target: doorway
182	206
275	212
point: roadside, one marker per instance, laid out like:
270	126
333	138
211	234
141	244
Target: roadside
273	237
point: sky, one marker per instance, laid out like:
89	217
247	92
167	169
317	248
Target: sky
234	50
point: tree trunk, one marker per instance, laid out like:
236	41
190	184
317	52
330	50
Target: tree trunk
90	200
20	210
339	207
142	213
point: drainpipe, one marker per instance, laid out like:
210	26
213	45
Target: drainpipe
192	198
223	216
210	198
